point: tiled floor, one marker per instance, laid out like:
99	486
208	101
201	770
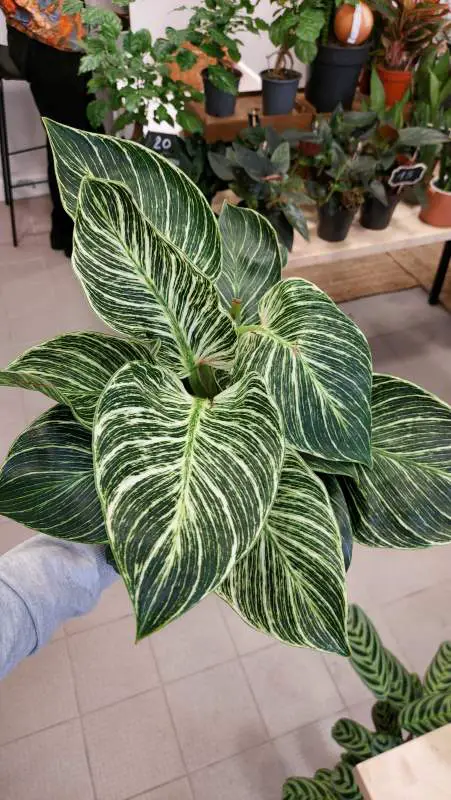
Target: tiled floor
207	708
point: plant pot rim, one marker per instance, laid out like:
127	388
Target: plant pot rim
392	71
344	46
236	72
434	188
295	76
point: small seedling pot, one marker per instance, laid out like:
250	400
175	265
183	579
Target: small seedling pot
396	83
217	102
279	92
437	211
375	215
334	226
334	75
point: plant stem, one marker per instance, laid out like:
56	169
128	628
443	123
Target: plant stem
235	311
202	381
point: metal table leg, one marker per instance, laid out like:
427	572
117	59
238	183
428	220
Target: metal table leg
440	275
6	167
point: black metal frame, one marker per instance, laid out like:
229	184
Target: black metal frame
440	275
5	155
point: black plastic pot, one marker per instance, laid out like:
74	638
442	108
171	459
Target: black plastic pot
375	215
279	94
217	102
334	75
333	226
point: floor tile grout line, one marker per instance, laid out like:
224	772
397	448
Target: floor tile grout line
99	625
40	730
335	683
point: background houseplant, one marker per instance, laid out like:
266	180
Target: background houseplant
214	28
437	209
195	444
130	71
405	707
258	168
408	29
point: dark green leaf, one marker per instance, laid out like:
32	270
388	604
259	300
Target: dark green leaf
426	714
438	675
341	512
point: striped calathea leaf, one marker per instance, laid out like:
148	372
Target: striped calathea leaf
344	783
404	501
299	551
427	714
385	718
47	481
317	366
438	674
142	286
306	789
168	199
251	261
73	369
186	483
353	736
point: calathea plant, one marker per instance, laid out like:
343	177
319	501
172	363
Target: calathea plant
235	436
405	707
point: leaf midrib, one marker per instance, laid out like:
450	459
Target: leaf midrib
187	460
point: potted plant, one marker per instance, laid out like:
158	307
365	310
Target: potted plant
342	52
130	70
405	708
408	29
437	210
193	442
258	169
213	29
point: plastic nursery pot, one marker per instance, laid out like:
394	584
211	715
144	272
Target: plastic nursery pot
279	91
375	215
396	82
333	226
437	211
217	102
334	75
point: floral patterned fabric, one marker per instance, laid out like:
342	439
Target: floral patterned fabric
44	20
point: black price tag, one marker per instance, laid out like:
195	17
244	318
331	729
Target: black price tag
162	143
407	176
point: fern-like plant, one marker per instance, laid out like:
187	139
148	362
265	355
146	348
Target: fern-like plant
405	707
197	442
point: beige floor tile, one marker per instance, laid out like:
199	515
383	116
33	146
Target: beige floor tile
292	687
37	694
307	749
132	747
389	313
421	622
197	640
114	604
109	666
28	290
50	765
12	534
246	639
256	774
214	714
176	790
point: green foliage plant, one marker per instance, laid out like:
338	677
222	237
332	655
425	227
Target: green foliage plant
409	29
131	71
214	28
233	437
298	25
258	168
405	708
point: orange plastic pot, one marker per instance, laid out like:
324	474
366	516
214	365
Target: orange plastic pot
437	211
396	83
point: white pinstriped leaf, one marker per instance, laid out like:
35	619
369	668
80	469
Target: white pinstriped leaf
317	366
165	195
405	500
341	511
73	369
325	467
47	480
291	584
140	285
251	260
186	483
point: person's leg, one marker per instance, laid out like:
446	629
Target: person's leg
61	94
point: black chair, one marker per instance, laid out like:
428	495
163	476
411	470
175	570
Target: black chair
9	71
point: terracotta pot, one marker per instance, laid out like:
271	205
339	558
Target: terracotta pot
396	83
437	211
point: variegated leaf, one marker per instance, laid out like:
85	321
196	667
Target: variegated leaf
251	260
73	369
141	285
382	742
353	736
405	500
368	655
299	551
438	675
186	483
426	714
324	467
403	686
341	512
306	789
317	366
344	783
166	196
47	481
385	718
